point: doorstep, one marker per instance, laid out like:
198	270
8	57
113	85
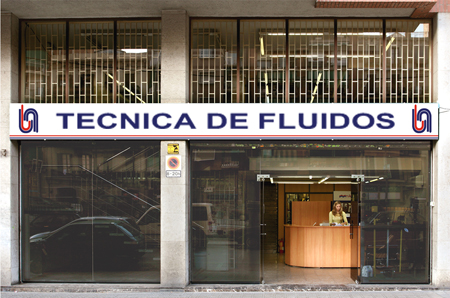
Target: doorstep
139	288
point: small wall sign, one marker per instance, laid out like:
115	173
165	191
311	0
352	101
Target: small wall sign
173	149
173	166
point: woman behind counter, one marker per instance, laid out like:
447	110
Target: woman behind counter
337	216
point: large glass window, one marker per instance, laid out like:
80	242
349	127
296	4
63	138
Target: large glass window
311	59
340	61
263	61
91	211
139	62
408	61
91	62
359	61
214	61
43	62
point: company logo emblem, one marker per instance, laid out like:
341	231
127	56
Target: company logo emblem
28	120
418	124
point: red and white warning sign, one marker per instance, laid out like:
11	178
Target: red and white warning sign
173	166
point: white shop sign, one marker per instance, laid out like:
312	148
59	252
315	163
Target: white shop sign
224	121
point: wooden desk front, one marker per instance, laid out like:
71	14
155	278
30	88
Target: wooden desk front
316	246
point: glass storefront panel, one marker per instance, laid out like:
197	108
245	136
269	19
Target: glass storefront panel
225	216
90	211
387	190
395	214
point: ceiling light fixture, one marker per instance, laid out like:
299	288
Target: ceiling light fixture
261	42
390	42
134	51
323	180
340	182
294	182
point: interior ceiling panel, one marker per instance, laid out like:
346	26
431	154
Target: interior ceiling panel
27	9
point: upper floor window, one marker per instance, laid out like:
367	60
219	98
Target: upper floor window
91	62
310	61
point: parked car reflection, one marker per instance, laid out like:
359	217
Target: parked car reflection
203	223
51	222
103	242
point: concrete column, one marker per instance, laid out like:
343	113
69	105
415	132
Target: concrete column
175	57
175	191
175	221
440	245
9	155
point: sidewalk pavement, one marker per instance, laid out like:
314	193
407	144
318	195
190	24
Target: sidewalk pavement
182	294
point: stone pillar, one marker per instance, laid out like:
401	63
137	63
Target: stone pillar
9	154
175	191
175	57
440	245
175	221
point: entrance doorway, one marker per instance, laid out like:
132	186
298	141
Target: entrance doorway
294	209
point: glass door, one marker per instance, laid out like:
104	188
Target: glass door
355	234
264	180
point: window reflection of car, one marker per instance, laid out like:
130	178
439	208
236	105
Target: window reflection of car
203	223
102	241
50	222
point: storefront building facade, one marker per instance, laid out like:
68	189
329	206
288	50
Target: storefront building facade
249	106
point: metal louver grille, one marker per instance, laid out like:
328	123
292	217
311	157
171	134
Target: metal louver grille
214	62
311	59
139	62
91	67
263	61
359	61
43	73
407	61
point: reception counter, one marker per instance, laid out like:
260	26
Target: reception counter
322	246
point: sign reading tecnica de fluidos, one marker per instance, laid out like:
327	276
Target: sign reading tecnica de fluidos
224	121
